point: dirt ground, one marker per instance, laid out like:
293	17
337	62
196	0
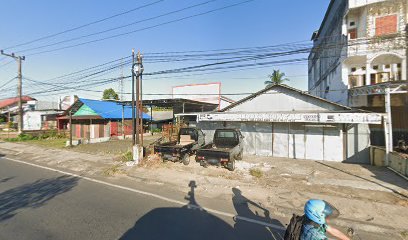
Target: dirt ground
113	148
363	194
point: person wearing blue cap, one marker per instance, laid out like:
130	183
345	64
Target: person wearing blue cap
315	225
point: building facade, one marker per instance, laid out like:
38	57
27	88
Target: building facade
359	49
306	127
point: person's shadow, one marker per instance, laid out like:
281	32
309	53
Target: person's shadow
187	222
245	226
191	221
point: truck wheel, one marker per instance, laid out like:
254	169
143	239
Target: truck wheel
231	165
240	155
186	159
204	163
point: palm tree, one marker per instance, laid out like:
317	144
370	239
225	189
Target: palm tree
277	77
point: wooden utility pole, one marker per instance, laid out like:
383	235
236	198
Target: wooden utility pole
140	107
133	100
19	88
123	121
70	128
137	73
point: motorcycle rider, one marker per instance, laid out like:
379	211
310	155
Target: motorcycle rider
315	226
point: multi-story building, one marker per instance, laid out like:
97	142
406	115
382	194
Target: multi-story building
358	51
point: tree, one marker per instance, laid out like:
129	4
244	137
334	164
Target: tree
277	77
110	94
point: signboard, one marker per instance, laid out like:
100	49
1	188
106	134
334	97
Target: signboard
368	118
209	93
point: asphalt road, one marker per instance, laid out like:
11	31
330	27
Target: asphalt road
41	204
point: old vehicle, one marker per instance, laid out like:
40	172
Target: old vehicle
189	140
226	147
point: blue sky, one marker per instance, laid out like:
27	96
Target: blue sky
256	23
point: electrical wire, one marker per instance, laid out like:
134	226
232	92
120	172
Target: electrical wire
144	28
84	25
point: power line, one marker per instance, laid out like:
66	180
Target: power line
6	83
142	29
116	28
84	25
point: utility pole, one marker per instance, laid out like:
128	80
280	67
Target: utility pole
137	73
138	99
123	121
140	66
388	124
133	100
19	88
70	128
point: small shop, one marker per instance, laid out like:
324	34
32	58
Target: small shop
281	121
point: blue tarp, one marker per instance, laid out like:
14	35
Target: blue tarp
109	109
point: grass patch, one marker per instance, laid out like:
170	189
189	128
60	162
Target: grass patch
404	234
112	171
127	156
52	140
50	143
255	172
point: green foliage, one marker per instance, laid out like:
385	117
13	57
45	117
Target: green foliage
157	130
10	125
22	137
255	172
127	156
277	77
110	94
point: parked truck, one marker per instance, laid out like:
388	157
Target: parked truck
225	148
186	145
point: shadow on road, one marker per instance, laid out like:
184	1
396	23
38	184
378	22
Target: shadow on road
193	222
380	173
33	195
6	179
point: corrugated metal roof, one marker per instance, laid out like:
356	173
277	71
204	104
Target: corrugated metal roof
285	87
10	101
110	109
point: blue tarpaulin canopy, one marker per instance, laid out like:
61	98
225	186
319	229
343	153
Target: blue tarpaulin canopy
105	109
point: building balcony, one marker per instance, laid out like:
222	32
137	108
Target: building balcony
357	47
373	95
361	3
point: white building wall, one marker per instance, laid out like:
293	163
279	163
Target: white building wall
298	140
272	101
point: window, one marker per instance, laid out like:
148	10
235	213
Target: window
398	65
387	66
226	134
353	69
386	25
352	24
375	67
352	33
363	68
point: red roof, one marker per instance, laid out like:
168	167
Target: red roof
10	101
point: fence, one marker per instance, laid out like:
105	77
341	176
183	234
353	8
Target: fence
398	162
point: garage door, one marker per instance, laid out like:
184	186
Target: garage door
314	142
248	131
263	139
280	140
333	144
297	148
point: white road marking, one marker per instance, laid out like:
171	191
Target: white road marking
225	214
